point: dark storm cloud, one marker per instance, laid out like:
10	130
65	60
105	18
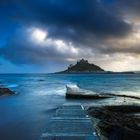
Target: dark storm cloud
129	5
119	49
86	17
23	50
70	18
82	22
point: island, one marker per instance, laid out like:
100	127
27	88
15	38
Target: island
83	66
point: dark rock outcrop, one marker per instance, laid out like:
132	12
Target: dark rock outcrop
77	93
5	91
117	122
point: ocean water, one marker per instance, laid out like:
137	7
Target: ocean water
25	115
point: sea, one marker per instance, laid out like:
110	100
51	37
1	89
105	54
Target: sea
25	115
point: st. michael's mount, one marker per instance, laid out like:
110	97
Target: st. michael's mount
83	66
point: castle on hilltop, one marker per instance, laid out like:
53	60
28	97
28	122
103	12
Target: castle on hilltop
82	61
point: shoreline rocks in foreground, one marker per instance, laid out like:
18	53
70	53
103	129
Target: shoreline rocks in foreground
5	91
74	92
120	122
112	122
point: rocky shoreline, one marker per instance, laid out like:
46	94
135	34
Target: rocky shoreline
78	93
112	122
5	91
116	122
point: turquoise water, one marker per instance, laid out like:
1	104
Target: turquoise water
25	115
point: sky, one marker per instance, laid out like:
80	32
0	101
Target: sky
42	36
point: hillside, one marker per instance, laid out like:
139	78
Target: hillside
82	66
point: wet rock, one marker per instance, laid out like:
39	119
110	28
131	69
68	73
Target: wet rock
121	95
77	93
87	96
124	108
117	122
5	91
112	132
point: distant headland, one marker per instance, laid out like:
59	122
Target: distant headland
83	66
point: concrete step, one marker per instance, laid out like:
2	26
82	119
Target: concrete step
70	126
70	118
67	106
70	113
70	123
72	129
70	138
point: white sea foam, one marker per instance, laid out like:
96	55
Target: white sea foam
61	90
11	85
72	85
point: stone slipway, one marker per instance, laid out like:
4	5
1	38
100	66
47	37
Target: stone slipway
70	123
